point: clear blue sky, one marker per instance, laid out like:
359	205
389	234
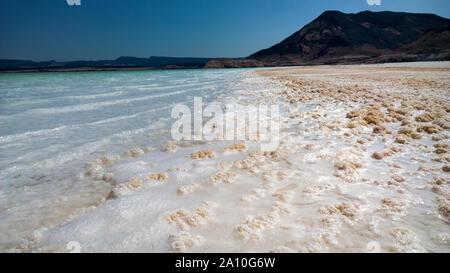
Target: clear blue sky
106	29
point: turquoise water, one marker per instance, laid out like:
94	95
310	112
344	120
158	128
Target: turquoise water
52	124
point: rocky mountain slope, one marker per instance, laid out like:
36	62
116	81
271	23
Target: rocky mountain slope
336	37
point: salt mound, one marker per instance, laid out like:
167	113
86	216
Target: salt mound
171	147
349	210
256	194
426	117
185	219
183	241
237	147
132	184
202	154
409	132
253	227
188	188
223	177
158	176
391	205
430	129
406	241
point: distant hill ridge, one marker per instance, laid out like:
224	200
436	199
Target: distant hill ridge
154	62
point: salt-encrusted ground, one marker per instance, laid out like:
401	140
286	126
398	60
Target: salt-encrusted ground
363	165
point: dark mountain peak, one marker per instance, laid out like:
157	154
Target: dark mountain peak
331	14
336	35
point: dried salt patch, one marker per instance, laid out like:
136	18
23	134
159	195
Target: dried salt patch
223	166
317	189
161	132
223	177
269	186
237	147
285	196
176	170
426	117
406	240
280	153
141	163
256	194
108	160
398	178
202	154
313	157
108	177
272	176
171	147
441	150
309	147
379	130
428	168
132	184
443	123
378	155
136	152
444	206
254	163
185	219
348	161
282	249
288	188
441	180
93	168
418	159
441	145
183	241
349	210
430	129
409	132
346	164
439	137
253	227
353	114
281	208
188	188
401	139
158	176
391	205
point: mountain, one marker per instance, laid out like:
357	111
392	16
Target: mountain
336	37
121	63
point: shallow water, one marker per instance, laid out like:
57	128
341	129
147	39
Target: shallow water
51	124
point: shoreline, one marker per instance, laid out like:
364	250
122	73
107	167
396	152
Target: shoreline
95	69
91	69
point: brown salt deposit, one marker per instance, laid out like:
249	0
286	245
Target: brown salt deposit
202	154
158	176
237	147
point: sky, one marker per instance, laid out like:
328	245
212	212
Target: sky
106	29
